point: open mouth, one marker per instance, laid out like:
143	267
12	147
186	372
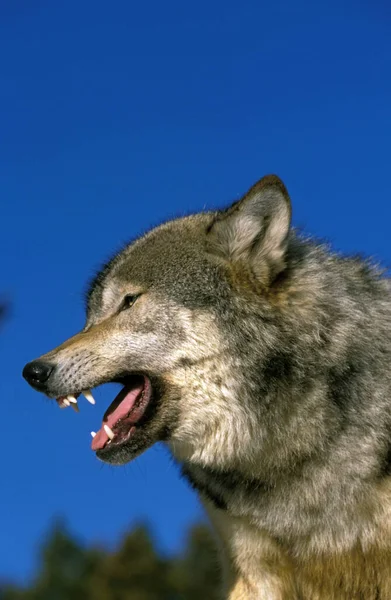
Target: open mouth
125	414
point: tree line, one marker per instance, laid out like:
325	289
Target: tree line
135	570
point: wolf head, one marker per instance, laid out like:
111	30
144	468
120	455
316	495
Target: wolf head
171	318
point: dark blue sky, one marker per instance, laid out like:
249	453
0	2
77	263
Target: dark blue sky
116	115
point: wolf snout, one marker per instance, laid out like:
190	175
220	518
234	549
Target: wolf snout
37	373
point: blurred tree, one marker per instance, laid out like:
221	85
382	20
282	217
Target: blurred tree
135	571
10	592
65	571
197	575
66	567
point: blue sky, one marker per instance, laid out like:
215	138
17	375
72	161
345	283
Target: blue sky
117	115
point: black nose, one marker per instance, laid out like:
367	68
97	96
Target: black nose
37	372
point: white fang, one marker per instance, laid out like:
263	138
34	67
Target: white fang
87	394
109	432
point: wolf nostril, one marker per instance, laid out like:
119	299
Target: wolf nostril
37	371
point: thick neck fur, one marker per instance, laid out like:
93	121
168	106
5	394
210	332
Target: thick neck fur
289	424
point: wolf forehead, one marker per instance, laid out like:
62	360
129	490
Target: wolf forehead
171	258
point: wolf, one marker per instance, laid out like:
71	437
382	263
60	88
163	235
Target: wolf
261	358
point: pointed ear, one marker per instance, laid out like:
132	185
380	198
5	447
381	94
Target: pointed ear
254	231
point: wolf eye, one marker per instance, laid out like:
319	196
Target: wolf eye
129	300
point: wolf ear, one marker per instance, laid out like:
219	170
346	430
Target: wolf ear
254	230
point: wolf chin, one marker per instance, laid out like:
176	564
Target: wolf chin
262	360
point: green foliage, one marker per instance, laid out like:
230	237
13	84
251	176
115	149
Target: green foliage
134	571
196	575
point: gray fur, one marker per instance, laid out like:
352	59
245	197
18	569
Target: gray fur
270	356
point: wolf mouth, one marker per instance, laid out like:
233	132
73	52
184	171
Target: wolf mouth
125	415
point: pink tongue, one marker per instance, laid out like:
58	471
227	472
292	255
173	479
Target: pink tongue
125	401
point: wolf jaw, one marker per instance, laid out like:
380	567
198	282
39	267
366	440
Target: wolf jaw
125	414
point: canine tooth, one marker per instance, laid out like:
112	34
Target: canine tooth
93	433
66	402
109	432
87	394
75	407
72	399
